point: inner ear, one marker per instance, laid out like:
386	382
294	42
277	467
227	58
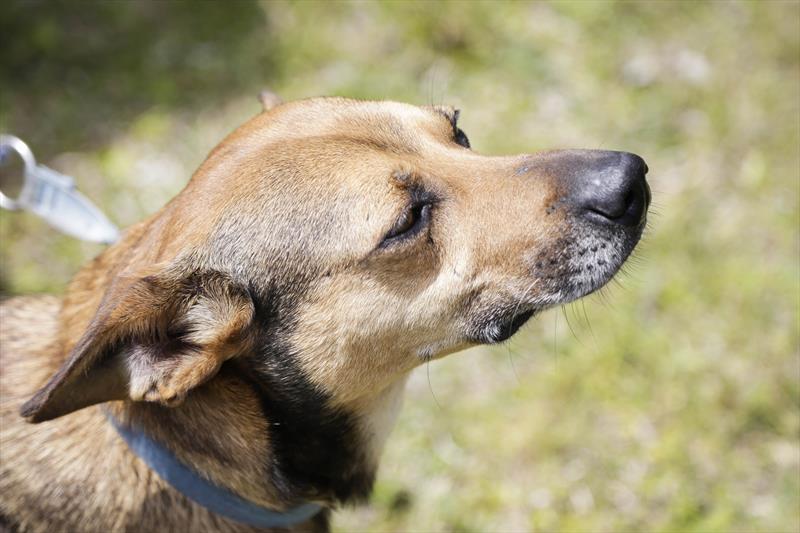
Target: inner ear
208	329
155	340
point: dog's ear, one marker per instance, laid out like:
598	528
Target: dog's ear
153	339
269	99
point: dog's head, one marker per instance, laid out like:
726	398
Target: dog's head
360	238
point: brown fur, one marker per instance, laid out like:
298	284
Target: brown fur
263	296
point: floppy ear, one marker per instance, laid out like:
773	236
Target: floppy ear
152	340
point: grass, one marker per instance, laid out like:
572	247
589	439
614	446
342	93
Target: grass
672	402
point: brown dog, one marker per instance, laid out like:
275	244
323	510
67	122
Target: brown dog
260	327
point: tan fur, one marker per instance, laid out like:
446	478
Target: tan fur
75	474
160	327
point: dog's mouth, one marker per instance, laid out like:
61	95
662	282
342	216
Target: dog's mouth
506	330
566	271
500	323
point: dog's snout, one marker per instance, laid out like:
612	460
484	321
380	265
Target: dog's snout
611	188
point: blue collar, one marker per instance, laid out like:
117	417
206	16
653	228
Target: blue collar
216	499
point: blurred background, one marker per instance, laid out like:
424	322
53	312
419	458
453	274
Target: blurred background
671	402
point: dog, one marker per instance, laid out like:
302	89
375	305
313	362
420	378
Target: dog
258	330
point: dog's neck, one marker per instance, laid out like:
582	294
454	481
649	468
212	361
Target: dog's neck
275	453
219	431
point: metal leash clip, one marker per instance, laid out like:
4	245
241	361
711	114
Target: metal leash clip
54	197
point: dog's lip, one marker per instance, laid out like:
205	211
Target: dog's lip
520	318
508	328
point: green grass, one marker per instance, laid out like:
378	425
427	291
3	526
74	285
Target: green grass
672	402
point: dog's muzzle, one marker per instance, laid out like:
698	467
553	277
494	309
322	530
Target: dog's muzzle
604	198
601	200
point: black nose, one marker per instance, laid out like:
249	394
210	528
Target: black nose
610	188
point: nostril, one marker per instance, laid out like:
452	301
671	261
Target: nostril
624	209
609	208
630	198
634	205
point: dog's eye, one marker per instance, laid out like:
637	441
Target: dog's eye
410	222
403	224
460	137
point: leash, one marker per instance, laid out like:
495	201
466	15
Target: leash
201	491
54	197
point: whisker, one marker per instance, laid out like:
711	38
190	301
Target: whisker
513	366
513	316
519	302
588	322
555	340
569	324
602	295
430	387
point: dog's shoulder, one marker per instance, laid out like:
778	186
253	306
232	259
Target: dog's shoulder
19	310
28	342
28	325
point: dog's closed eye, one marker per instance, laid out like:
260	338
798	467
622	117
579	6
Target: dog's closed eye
413	220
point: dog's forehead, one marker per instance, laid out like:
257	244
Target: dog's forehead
342	118
330	142
333	110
